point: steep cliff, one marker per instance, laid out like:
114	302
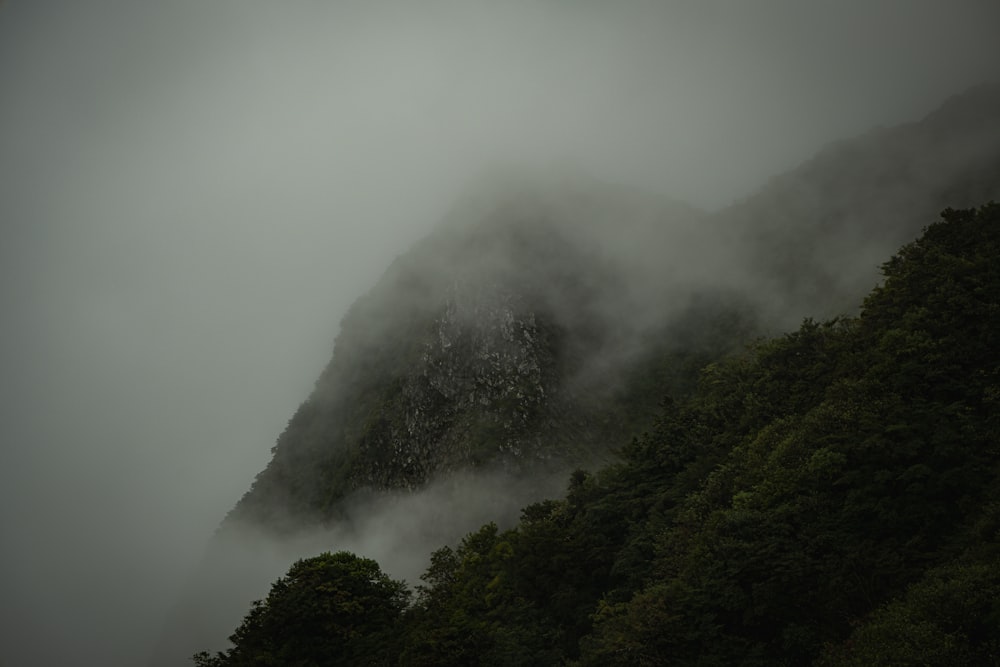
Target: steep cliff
502	340
541	323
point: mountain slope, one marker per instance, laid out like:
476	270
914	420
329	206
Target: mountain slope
814	236
539	328
858	456
508	347
826	497
498	342
495	341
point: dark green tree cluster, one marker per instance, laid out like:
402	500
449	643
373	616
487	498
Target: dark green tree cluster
333	609
827	497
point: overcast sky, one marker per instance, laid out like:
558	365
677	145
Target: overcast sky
192	193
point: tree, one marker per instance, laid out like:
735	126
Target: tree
333	609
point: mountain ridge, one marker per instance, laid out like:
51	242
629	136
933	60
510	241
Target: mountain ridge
831	221
533	283
503	340
824	497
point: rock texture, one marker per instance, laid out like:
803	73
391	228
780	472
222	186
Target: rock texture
477	348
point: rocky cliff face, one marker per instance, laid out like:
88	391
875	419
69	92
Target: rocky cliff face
476	348
486	372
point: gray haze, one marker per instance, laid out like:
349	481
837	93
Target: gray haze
192	193
399	530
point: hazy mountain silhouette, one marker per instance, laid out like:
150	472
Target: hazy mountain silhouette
543	322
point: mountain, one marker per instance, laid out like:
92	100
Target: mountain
504	339
509	337
512	345
540	327
814	236
826	497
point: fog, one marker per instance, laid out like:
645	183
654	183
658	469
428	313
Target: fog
192	194
399	529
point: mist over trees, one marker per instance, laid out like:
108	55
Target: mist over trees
746	500
824	497
547	215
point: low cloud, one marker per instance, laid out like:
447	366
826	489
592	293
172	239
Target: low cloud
400	530
192	194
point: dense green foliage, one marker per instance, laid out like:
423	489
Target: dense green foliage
829	470
825	497
333	609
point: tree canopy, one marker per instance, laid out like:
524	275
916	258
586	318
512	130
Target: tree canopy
332	609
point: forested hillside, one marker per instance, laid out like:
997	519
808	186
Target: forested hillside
549	322
827	497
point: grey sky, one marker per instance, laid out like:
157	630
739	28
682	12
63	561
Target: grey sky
192	193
